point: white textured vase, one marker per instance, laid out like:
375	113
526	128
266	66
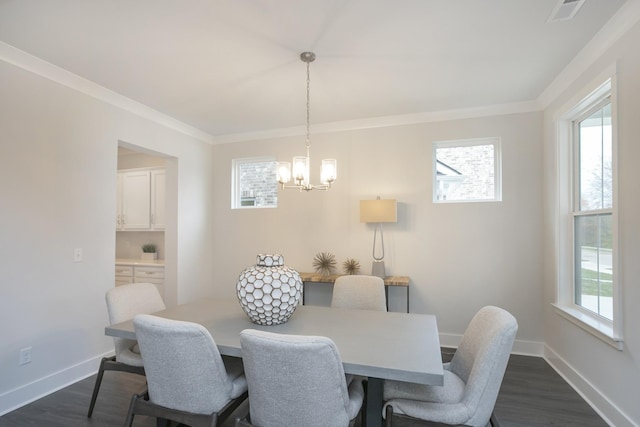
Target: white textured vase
269	292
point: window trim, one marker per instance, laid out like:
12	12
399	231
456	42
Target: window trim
565	306
497	166
235	181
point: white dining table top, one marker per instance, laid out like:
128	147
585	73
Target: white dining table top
386	345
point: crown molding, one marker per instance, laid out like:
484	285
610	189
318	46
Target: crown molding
616	27
619	24
385	121
40	67
61	76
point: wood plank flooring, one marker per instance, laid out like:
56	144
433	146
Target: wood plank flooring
532	395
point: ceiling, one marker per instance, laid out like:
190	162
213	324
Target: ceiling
231	67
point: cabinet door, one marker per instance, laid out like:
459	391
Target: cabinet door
136	200
158	179
119	201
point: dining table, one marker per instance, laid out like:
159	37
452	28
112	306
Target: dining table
375	344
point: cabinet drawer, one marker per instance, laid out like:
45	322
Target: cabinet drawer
149	273
154	280
124	270
123	281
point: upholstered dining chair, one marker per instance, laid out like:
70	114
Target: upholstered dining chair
359	292
297	380
188	380
471	380
124	302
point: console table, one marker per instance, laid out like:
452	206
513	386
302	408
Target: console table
402	281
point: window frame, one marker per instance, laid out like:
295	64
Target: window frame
236	197
497	167
568	209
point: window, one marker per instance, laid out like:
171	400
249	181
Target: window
467	171
587	288
254	183
592	212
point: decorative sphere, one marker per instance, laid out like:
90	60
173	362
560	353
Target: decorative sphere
269	292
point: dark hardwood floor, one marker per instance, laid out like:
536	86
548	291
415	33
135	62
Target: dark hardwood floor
532	395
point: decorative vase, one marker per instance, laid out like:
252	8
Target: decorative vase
269	292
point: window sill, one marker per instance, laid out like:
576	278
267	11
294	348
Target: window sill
598	328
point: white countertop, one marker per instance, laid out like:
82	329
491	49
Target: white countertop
142	262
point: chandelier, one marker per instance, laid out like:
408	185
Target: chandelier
300	172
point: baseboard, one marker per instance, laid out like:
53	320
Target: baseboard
521	347
23	395
594	397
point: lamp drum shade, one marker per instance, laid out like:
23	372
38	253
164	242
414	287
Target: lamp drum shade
378	211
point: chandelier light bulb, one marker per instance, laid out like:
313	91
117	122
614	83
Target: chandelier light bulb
283	172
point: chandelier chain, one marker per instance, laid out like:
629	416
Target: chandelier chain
308	105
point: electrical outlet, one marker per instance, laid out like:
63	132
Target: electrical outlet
25	356
77	255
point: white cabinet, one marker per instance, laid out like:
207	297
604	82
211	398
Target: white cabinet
140	200
158	180
124	274
141	274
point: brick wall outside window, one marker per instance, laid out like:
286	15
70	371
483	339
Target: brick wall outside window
257	183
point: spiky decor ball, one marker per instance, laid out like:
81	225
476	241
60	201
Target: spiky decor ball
324	263
351	266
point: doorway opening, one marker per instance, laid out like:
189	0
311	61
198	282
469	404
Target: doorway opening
145	219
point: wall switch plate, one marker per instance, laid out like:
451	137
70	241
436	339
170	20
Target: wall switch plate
77	255
25	356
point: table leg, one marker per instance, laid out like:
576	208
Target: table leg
302	292
407	299
374	402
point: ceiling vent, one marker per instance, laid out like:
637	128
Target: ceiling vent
565	10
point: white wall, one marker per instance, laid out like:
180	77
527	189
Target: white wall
58	159
607	377
460	257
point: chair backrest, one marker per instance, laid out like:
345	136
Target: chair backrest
183	366
359	292
294	380
125	301
481	359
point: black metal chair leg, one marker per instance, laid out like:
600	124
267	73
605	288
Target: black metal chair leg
494	420
96	387
388	416
129	420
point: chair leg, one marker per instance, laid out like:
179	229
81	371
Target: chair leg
494	420
388	416
96	387
129	420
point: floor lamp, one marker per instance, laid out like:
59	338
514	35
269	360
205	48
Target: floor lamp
377	212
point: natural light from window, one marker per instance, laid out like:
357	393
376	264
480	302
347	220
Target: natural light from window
254	183
593	227
467	170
